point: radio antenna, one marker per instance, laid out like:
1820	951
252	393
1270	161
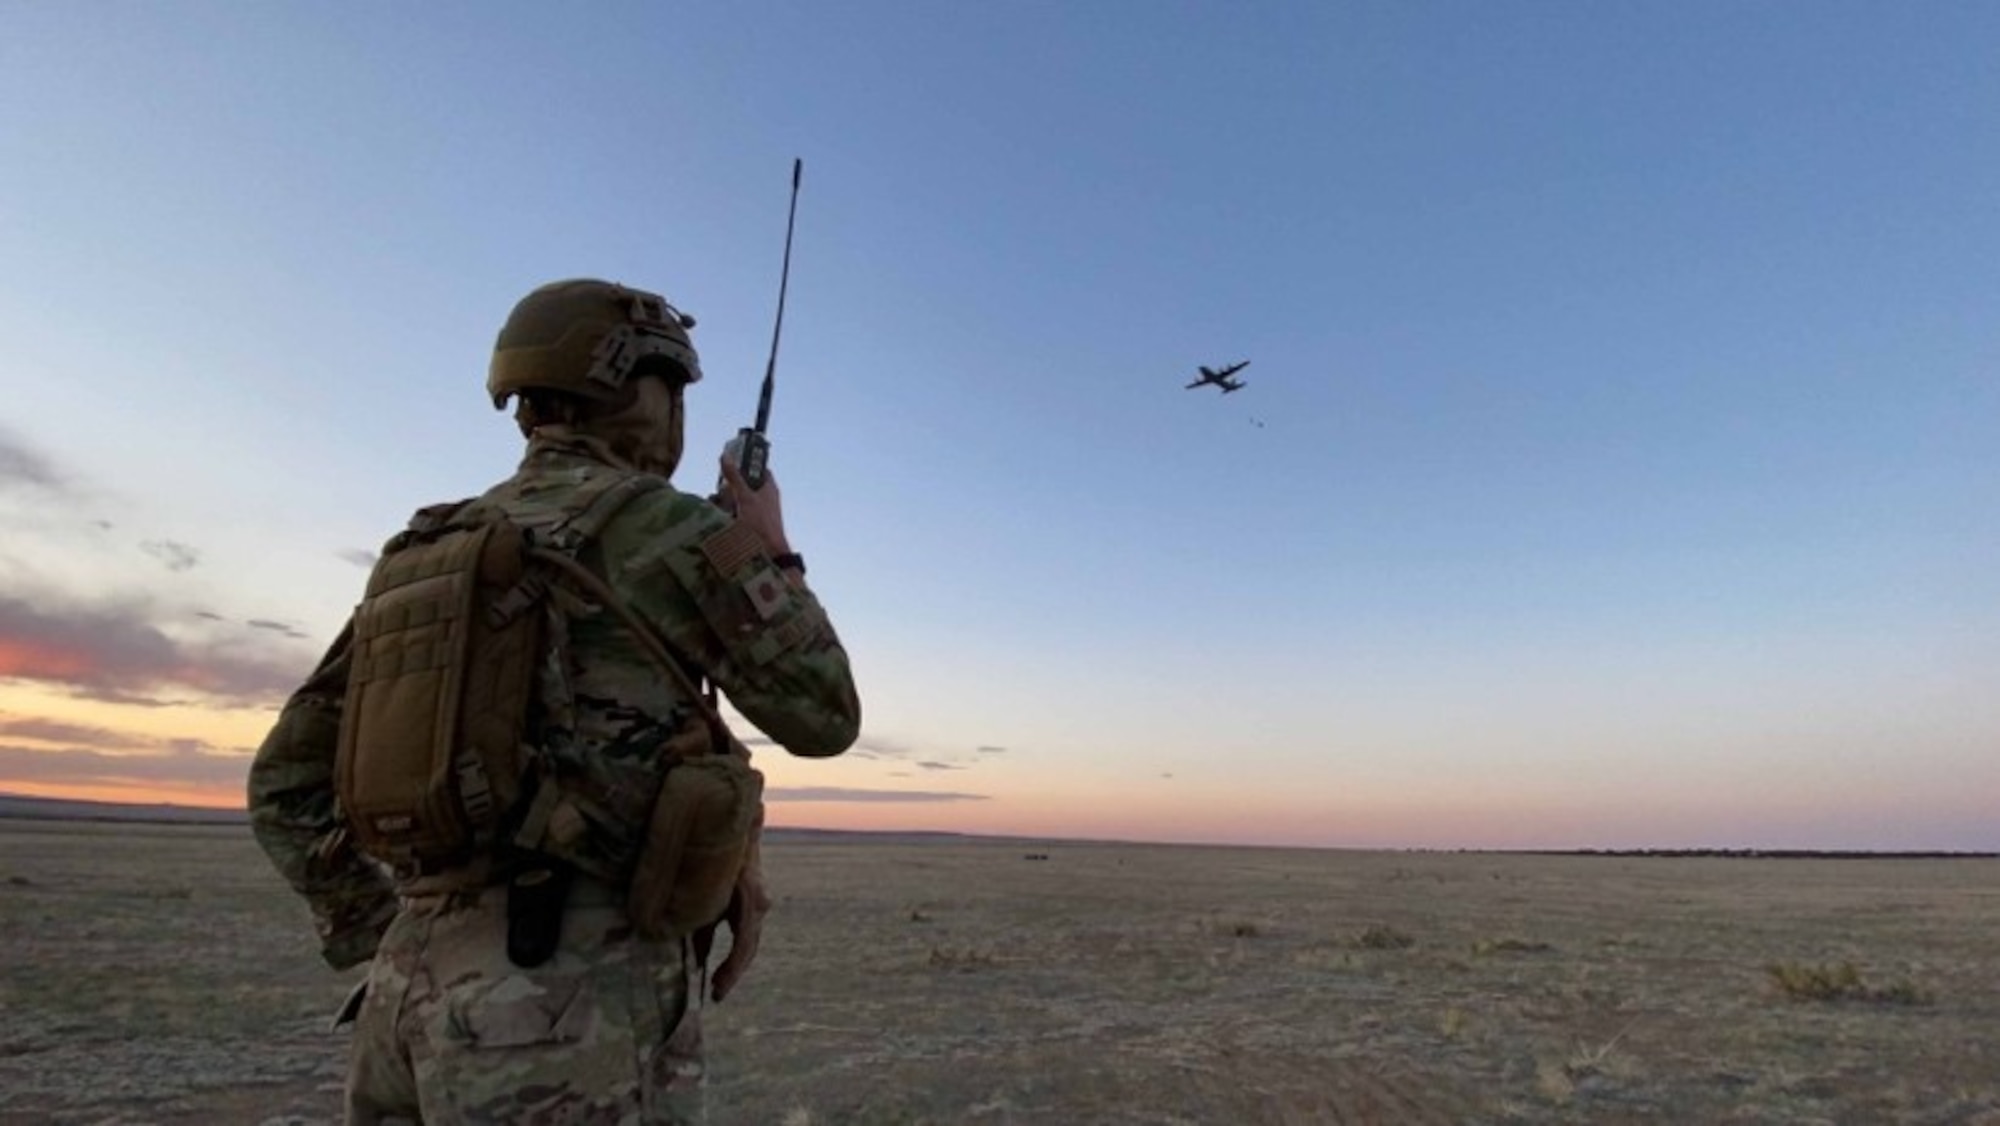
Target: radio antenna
751	447
784	282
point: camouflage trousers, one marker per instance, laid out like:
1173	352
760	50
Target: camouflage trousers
605	1033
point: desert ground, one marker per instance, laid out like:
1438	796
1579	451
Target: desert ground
163	974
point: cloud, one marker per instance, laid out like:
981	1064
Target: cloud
846	794
284	628
878	746
114	652
883	747
177	556
126	699
887	747
85	754
360	557
81	766
56	731
21	465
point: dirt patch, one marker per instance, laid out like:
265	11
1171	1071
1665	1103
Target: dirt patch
162	974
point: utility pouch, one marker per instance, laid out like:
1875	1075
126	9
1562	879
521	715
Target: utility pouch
535	899
710	804
446	642
702	826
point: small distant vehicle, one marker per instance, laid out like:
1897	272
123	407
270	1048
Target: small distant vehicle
1220	378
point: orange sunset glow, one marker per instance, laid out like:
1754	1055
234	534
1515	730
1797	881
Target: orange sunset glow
187	752
41	661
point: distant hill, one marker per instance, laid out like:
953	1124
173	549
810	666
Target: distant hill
21	807
62	809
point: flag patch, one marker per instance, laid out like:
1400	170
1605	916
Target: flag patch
767	590
732	548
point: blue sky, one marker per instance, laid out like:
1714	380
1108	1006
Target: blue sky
1617	465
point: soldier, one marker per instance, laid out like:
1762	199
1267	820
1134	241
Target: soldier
538	879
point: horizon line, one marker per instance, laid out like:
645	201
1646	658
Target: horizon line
227	815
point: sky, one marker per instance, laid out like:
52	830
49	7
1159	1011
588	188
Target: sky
1617	465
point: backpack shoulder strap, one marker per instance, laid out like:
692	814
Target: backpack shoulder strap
424	522
566	533
595	506
560	548
433	517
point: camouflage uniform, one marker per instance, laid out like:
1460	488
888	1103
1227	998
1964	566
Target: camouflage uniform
607	1031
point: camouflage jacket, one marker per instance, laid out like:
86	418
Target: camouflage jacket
609	716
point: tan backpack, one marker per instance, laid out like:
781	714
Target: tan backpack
435	766
432	751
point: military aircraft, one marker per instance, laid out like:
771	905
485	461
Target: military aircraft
1220	378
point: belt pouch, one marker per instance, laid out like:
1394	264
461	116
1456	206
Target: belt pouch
535	899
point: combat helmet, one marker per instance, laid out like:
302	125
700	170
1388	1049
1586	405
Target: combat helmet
586	337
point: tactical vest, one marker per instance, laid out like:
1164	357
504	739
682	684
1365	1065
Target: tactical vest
436	765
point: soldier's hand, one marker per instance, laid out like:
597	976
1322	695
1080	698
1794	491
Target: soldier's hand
761	509
747	908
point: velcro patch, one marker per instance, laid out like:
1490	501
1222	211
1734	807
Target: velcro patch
768	592
732	548
810	622
795	631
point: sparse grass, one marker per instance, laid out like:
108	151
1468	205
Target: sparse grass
1599	1059
948	982
962	958
1558	1079
1380	937
1326	955
1553	1080
1840	981
1451	1023
1488	946
1236	928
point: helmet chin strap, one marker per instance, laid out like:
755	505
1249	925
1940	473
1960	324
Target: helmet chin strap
670	441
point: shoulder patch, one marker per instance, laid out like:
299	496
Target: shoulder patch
732	548
795	632
767	590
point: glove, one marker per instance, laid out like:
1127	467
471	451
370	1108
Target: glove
348	937
745	920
